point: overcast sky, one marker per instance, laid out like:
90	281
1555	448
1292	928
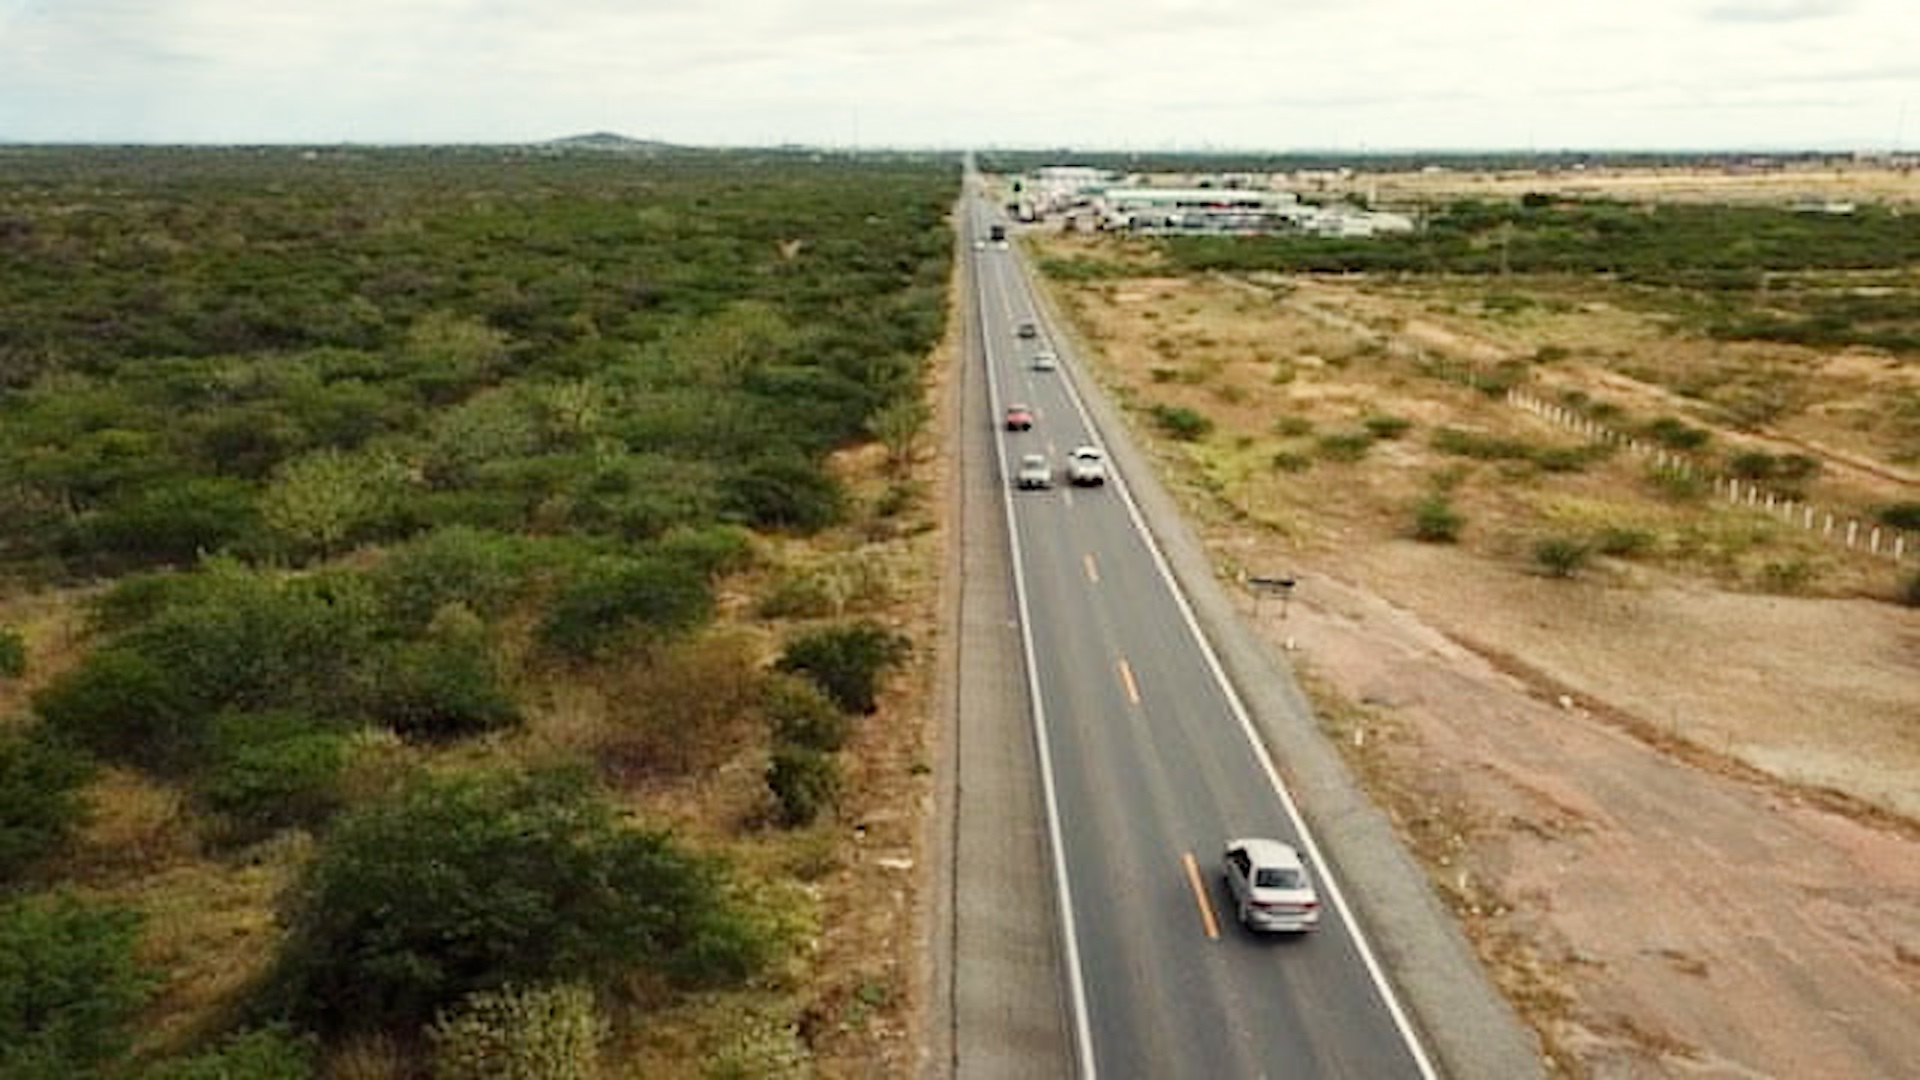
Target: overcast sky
1130	74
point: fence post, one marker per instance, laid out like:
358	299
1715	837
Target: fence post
1853	531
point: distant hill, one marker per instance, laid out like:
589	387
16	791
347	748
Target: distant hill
609	142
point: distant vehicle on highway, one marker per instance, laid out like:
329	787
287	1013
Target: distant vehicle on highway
1034	472
1027	331
997	233
1086	467
1019	418
1045	361
979	245
1270	886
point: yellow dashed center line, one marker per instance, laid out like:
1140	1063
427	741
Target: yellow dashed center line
1207	920
1126	680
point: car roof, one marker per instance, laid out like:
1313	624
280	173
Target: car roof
1083	451
1266	852
1034	459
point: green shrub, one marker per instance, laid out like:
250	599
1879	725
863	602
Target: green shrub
273	771
480	569
125	707
1289	461
41	800
648	596
1675	434
805	783
519	1033
801	714
714	550
69	987
1293	426
846	661
272	1053
1563	459
1387	427
1791	576
1344	445
1181	422
472	882
170	521
13	653
1623	542
1902	515
1910	592
447	686
1436	521
1560	556
785	493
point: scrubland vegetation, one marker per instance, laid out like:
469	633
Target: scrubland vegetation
373	529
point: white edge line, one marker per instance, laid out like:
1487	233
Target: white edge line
1076	982
1259	748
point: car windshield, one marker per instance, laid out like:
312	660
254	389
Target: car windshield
1284	877
1033	461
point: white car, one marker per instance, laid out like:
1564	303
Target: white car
979	245
1045	361
1086	467
1270	886
1034	472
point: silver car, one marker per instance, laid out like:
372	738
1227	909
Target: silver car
1270	886
1086	467
1034	472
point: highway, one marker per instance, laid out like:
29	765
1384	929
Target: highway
1148	764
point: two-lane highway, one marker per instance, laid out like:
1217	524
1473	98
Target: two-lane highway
1150	765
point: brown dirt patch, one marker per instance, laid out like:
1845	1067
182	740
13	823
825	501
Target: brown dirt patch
1674	798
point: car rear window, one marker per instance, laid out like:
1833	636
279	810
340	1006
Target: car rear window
1280	878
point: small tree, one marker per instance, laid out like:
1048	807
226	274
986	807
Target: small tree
40	797
470	883
69	986
846	661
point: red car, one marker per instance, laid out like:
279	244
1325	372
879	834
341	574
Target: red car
1019	418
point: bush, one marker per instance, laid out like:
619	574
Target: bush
1436	521
1903	515
1560	556
480	569
13	653
40	797
1181	422
125	707
1288	461
69	987
785	493
474	882
1344	445
272	1053
1293	426
801	714
519	1033
273	771
1623	542
1910	592
805	782
1386	427
846	661
445	687
652	596
1676	434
